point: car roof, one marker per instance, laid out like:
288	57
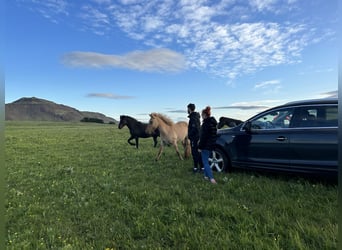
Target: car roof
313	101
302	102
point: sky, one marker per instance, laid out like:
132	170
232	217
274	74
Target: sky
135	57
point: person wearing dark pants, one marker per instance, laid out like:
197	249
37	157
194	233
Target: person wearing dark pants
193	135
208	135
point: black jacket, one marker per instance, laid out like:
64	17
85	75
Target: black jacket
208	134
194	126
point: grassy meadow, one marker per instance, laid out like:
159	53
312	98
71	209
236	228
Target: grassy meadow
82	186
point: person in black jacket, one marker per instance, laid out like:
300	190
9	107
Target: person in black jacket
207	141
193	135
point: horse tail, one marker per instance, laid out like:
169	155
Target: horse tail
187	147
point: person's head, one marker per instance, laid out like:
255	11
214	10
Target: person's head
191	108
206	112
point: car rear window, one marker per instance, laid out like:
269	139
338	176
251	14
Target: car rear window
315	116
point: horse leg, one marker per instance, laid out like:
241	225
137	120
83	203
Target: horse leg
179	154
137	142
160	151
155	141
129	141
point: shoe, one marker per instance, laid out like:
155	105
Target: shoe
213	181
202	169
195	170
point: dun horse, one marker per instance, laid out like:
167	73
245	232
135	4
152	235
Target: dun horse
170	133
230	122
137	129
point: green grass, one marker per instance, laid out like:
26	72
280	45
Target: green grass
82	186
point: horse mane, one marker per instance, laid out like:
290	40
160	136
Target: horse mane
128	117
164	118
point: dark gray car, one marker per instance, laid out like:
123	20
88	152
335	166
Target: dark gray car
295	137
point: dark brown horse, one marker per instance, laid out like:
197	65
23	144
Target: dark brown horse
230	122
137	129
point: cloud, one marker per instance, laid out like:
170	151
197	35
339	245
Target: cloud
330	94
225	49
155	60
242	107
53	10
266	84
180	111
268	87
100	22
226	38
102	1
263	104
109	96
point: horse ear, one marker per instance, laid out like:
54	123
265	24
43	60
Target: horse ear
152	115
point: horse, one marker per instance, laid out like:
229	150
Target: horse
170	133
230	122
137	129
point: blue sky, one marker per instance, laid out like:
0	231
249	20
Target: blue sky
135	57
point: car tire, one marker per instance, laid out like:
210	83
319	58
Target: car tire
218	161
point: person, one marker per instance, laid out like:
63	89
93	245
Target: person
193	135
207	141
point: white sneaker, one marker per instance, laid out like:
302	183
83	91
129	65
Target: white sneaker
213	181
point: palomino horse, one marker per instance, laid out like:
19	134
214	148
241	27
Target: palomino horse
170	133
137	129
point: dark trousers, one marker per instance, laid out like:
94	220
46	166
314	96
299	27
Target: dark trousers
196	156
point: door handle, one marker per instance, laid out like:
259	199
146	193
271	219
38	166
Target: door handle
281	138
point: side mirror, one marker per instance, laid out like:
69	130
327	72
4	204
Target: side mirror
247	126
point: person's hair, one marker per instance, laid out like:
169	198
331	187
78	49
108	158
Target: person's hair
191	106
207	111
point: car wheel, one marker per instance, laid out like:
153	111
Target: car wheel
218	161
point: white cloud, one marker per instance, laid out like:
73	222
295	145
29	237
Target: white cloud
109	96
156	60
262	104
262	5
226	38
268	87
54	10
152	23
330	94
102	1
266	84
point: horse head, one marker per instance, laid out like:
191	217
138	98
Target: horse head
122	122
221	123
230	122
152	124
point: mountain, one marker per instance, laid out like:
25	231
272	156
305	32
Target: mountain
36	109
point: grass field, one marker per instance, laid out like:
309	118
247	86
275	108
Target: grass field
82	186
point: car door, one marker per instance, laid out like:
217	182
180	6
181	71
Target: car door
313	141
266	144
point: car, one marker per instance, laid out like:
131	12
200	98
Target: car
297	137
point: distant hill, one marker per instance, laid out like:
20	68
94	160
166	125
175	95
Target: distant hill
36	109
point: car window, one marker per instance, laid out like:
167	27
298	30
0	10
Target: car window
315	116
275	119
